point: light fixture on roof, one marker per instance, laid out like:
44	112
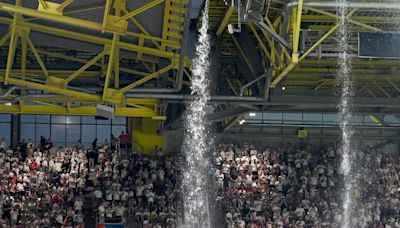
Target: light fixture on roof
252	114
8	103
242	121
283	88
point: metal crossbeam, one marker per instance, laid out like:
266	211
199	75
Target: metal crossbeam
139	10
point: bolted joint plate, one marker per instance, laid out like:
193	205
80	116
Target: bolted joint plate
120	28
53	8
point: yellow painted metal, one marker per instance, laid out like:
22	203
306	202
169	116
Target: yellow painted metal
37	55
65	4
145	79
50	8
85	67
43	4
377	119
24	47
382	89
174	16
106	13
111	61
57	55
394	85
283	48
90	38
12	47
51	17
142	29
140	10
5	38
85	111
262	45
296	31
323	12
225	20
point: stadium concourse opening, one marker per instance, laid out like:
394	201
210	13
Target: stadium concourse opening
199	113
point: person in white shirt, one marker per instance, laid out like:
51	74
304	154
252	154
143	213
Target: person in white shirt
78	204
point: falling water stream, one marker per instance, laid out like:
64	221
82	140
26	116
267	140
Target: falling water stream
345	114
196	143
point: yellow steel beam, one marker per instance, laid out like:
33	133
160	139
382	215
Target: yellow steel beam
142	29
64	4
106	13
84	111
37	55
139	10
44	4
323	12
394	85
85	67
51	17
111	61
94	39
24	47
225	20
296	32
316	44
382	89
12	47
145	79
262	45
55	99
84	61
5	38
378	120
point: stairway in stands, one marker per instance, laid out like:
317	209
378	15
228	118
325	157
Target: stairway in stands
89	216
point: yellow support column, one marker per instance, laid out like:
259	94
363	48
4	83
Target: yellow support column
145	135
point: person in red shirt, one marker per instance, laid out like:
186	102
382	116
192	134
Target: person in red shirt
33	166
123	140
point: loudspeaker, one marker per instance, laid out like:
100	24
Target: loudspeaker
104	111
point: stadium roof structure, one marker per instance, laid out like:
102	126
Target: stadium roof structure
66	56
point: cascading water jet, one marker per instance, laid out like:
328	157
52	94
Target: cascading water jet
345	113
196	143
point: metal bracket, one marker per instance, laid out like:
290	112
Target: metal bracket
50	7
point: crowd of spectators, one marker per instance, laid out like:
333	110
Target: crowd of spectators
42	186
133	188
292	187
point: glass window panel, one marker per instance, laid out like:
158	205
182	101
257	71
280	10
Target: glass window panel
330	118
5	118
292	118
88	120
272	117
311	118
356	120
58	119
119	120
42	129
116	130
88	133
27	118
73	134
391	120
27	131
103	133
104	121
253	116
5	132
73	119
58	134
42	119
